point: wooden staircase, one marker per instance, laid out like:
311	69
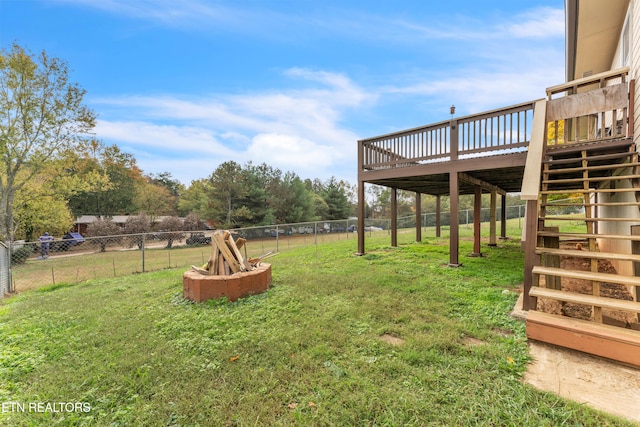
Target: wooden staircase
569	252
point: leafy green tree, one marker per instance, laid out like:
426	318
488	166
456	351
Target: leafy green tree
35	215
116	191
195	198
171	187
295	203
320	207
226	189
41	116
153	199
335	197
262	182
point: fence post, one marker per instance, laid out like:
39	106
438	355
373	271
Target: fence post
142	250
5	269
277	237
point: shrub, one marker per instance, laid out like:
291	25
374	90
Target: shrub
20	255
103	227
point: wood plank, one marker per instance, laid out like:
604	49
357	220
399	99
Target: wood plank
622	345
594	158
236	252
564	218
594	168
575	298
594	179
590	236
212	265
608	98
234	265
221	271
240	242
531	181
592	204
588	254
592	190
588	275
215	257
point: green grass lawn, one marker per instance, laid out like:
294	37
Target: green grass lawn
310	351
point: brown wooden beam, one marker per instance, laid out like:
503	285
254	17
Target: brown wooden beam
454	233
483	184
531	259
394	217
418	217
503	218
465	165
493	219
477	212
438	216
361	213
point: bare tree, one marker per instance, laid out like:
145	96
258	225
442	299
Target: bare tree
171	226
137	226
102	229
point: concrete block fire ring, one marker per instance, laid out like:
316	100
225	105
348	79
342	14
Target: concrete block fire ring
199	287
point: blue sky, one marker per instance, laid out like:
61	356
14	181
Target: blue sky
186	85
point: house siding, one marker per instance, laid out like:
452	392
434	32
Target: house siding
631	212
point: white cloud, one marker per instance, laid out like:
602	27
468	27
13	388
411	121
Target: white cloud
291	152
147	135
542	22
296	130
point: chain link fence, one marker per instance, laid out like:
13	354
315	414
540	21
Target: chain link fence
5	269
29	265
78	258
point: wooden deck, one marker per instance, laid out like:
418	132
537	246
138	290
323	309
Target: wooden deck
578	140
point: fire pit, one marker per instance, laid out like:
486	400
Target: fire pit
199	287
227	273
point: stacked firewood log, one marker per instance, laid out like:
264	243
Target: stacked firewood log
226	258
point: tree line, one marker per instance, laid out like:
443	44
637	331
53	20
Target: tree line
52	170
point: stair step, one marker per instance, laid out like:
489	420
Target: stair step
593	168
592	204
594	179
597	158
564	218
587	254
591	190
587	275
575	298
591	146
611	342
589	236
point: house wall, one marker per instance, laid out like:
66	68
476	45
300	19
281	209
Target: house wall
631	212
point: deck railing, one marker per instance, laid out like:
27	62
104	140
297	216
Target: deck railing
594	108
493	132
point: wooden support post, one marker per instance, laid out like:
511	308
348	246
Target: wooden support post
503	218
551	242
361	213
477	212
454	233
438	216
418	217
530	257
493	218
394	217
